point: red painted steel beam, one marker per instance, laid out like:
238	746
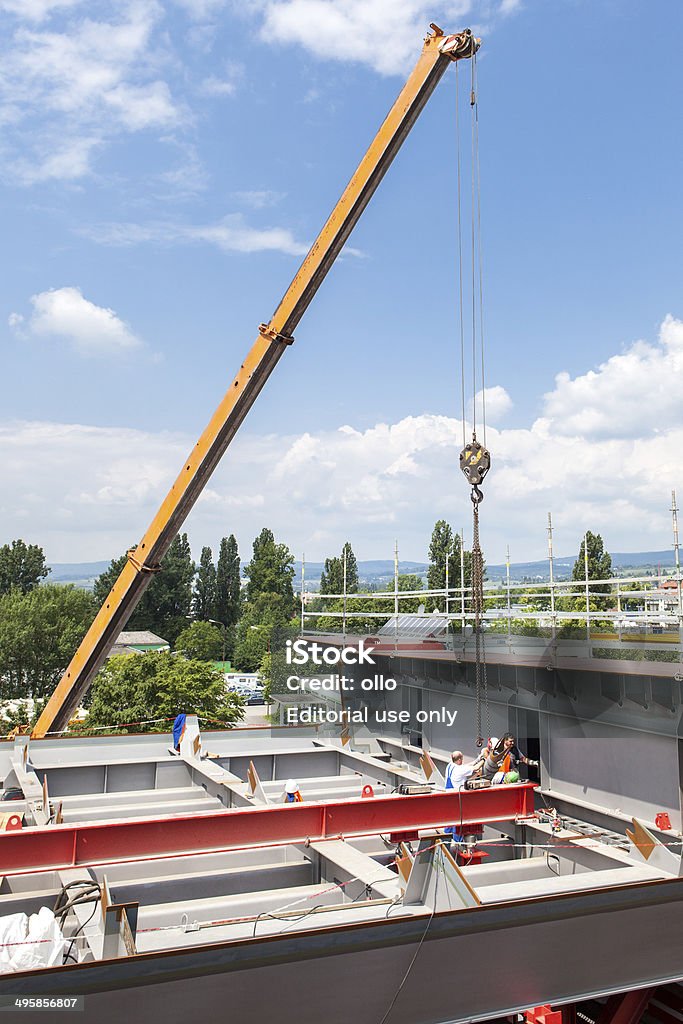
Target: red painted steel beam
101	842
627	1008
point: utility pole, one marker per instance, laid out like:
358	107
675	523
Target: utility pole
588	602
344	597
677	555
396	594
462	581
303	589
552	576
224	628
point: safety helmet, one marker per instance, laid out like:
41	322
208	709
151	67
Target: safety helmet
291	786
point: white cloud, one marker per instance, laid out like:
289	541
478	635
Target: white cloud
224	83
495	402
214	86
65	313
73	488
63	160
231	234
631	394
201	9
258	199
36	10
379	33
71	89
509	6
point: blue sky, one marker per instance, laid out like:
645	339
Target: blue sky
163	167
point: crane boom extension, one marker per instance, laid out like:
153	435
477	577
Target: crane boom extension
143	562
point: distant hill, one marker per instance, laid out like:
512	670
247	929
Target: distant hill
379	572
624	563
81	574
373	572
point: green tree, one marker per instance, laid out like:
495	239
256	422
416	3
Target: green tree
204	595
632	604
599	563
253	643
106	580
138	688
351	568
271	570
332	576
445	549
39	633
165	605
369	614
22	566
408	582
228	583
169	603
599	568
20	713
266	614
202	641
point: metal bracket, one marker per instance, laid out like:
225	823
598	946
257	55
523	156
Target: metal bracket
267	332
141	566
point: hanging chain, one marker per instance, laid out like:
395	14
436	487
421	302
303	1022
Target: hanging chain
475	461
481	680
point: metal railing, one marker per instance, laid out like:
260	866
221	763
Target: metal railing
636	617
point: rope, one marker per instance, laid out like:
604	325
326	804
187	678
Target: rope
129	725
462	320
439	869
476	170
473	101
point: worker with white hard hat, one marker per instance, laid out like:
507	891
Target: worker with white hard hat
292	794
457	772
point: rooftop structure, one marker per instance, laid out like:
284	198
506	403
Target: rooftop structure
205	883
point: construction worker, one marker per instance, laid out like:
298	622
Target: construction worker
457	773
503	758
292	794
178	730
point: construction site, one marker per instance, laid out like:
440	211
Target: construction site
466	814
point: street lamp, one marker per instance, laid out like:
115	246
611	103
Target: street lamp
217	622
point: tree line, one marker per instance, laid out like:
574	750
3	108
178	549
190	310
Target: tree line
208	612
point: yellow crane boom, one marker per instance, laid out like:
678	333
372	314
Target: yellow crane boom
438	52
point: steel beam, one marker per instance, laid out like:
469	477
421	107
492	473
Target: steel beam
59	846
626	1008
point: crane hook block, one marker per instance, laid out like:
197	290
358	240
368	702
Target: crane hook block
475	462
